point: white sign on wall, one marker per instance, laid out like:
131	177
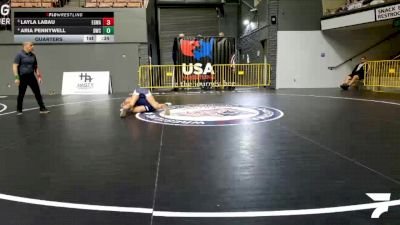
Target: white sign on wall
86	83
388	12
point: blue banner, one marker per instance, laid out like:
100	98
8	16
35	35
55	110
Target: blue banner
214	50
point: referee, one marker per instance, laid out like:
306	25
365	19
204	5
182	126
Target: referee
25	68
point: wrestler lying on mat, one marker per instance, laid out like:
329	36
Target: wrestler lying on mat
141	101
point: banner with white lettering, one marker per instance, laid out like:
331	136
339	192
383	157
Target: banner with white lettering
86	83
5	15
388	12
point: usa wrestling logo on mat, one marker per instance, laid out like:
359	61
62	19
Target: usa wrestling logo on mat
212	115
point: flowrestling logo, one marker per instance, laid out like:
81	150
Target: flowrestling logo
212	115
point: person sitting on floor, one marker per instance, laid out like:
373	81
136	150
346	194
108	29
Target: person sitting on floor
356	75
142	101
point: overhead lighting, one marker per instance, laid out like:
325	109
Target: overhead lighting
246	22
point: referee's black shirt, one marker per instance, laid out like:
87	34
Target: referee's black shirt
27	62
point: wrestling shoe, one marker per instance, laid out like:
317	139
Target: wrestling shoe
44	111
344	86
167	111
122	113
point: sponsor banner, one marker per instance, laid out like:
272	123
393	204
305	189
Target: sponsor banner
388	12
212	115
5	15
86	83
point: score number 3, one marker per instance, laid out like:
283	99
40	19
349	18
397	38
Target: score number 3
108	21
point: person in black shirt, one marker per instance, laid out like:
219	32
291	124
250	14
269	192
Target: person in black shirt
175	49
25	68
356	75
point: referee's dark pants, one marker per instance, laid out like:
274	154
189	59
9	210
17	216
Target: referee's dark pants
25	81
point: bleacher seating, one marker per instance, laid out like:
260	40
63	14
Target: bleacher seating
114	3
343	6
37	3
87	3
34	3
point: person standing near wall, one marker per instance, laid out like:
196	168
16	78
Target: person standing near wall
25	68
175	49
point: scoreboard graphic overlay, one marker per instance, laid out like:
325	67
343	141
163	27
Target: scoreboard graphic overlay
64	27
